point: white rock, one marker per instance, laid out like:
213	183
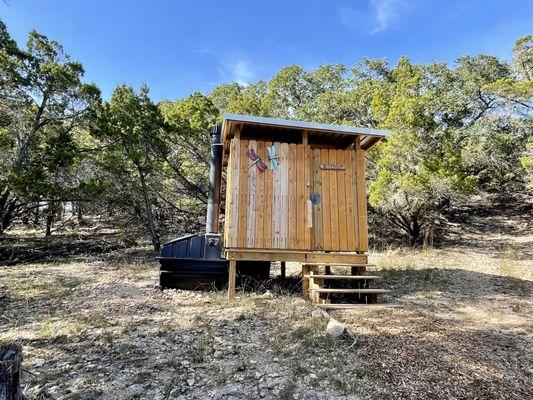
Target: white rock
39	362
135	390
319	313
335	328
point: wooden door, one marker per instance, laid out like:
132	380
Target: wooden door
339	200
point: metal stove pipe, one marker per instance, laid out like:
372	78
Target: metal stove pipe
215	176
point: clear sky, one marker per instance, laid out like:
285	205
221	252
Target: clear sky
179	47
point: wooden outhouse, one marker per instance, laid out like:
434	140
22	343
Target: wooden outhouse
309	203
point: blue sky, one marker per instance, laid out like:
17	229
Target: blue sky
179	47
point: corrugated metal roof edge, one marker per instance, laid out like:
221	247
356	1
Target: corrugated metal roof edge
288	123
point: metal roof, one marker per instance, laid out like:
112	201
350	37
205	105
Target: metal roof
368	136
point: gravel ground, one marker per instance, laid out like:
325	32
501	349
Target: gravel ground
98	327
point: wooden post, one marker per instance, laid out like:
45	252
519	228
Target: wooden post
10	366
318	283
232	276
305	281
312	285
283	270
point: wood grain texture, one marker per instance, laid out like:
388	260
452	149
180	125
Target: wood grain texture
333	201
318	236
234	200
303	256
267	219
271	209
292	216
276	202
341	200
301	204
355	219
232	272
361	196
251	200
242	210
350	199
309	226
229	188
325	201
259	198
284	227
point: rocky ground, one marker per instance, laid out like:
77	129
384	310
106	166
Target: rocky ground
97	326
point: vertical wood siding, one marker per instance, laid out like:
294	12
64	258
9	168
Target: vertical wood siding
272	209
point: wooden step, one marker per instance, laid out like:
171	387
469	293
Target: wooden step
360	291
359	277
344	306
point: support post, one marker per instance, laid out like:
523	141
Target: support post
305	280
283	270
232	277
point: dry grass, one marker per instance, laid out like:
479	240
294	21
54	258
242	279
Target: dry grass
92	326
465	328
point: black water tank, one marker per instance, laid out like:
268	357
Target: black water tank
195	262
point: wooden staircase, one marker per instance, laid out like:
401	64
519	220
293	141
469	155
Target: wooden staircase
341	291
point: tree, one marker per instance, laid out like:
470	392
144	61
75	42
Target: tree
439	116
454	129
187	158
132	129
511	129
42	98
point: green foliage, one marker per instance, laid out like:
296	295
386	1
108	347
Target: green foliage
132	126
43	106
132	130
457	129
187	161
527	162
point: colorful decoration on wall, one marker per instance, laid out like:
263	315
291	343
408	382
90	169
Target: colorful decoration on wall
272	157
256	160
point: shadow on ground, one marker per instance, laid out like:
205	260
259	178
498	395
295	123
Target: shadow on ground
461	282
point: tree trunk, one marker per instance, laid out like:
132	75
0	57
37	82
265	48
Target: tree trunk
24	150
10	366
8	204
79	212
49	222
415	233
150	218
36	216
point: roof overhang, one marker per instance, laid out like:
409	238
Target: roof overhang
369	137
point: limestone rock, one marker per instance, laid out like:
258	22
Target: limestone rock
335	328
319	313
